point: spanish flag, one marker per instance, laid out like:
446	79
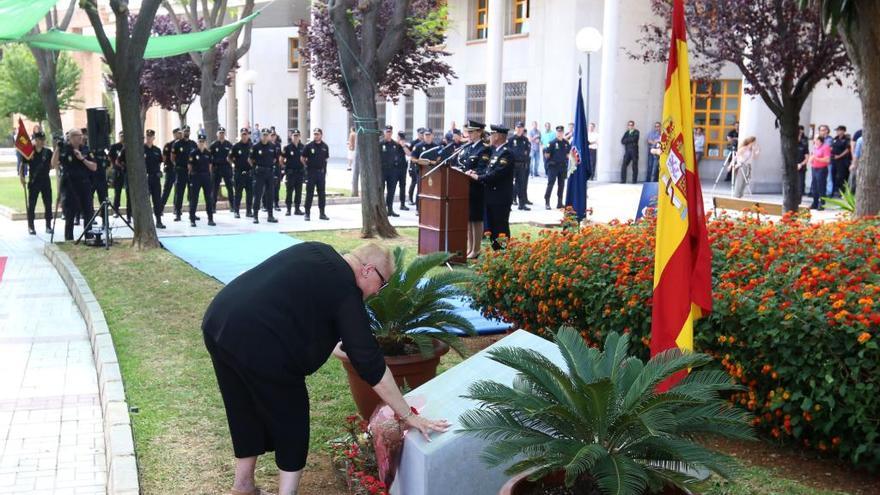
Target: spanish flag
23	142
683	259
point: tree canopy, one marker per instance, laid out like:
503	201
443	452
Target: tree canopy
20	78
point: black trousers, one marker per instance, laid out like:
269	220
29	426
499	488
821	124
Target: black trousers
592	164
631	158
264	186
244	182
200	183
222	171
170	177
498	220
120	182
154	185
414	183
293	182
275	198
839	175
557	175
802	181
77	201
99	185
401	181
521	183
316	180
263	415
391	179
42	187
181	180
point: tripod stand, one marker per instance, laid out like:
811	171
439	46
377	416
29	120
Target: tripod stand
729	163
104	211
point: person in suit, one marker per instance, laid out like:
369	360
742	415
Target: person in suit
630	142
497	179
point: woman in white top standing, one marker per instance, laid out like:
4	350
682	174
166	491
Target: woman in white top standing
699	145
742	165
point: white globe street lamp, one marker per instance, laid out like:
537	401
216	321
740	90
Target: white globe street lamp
589	41
249	78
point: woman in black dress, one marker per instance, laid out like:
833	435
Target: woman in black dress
279	322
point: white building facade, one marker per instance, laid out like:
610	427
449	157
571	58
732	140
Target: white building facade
517	60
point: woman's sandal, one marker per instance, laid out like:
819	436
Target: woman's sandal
255	491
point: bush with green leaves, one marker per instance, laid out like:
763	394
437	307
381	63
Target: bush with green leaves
411	311
602	421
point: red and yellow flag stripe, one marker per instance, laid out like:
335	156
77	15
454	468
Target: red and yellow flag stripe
683	259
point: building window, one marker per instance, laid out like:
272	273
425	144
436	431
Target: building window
518	20
514	103
480	24
436	107
716	109
408	106
380	113
475	103
292	53
293	117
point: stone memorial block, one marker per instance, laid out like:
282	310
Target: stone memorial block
450	464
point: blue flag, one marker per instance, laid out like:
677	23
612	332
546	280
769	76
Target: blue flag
579	163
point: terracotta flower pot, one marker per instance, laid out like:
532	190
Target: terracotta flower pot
519	484
414	369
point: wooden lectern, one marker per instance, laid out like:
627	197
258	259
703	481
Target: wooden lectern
443	210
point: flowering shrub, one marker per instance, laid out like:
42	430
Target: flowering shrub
354	459
796	313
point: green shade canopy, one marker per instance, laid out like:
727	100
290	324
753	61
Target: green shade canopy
157	46
17	17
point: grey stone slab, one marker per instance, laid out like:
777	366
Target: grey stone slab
450	463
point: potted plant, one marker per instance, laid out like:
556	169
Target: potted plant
602	426
413	324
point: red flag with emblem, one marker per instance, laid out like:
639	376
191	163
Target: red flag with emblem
23	142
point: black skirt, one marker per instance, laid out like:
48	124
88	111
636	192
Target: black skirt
263	415
476	202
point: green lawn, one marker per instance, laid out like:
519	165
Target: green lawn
154	302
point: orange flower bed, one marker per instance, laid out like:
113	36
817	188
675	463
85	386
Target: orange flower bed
796	313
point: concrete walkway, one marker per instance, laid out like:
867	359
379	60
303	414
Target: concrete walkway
51	429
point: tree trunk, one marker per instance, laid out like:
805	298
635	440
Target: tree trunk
355	172
373	211
127	89
47	65
788	134
862	45
210	100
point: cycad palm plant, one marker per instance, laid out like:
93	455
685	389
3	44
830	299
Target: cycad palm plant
602	422
410	312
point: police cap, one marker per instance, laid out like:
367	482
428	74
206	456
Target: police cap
388	128
473	125
151	133
221	129
296	132
520	123
203	137
39	135
244	130
176	130
560	128
499	129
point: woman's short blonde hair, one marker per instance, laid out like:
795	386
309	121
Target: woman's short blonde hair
373	253
747	141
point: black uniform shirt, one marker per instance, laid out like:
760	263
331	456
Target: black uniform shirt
117	154
475	157
152	159
838	146
253	318
240	153
39	165
389	154
498	177
558	150
264	155
292	153
166	154
183	147
520	147
71	165
316	155
200	161
220	151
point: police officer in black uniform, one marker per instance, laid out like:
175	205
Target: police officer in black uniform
402	167
498	181
475	157
153	162
389	156
279	169
453	145
294	172
120	175
413	167
263	158
630	142
38	183
239	158
222	170
180	154
170	176
556	164
521	148
77	162
315	155
98	178
199	168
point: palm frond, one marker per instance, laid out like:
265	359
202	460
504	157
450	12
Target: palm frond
658	369
580	358
617	474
